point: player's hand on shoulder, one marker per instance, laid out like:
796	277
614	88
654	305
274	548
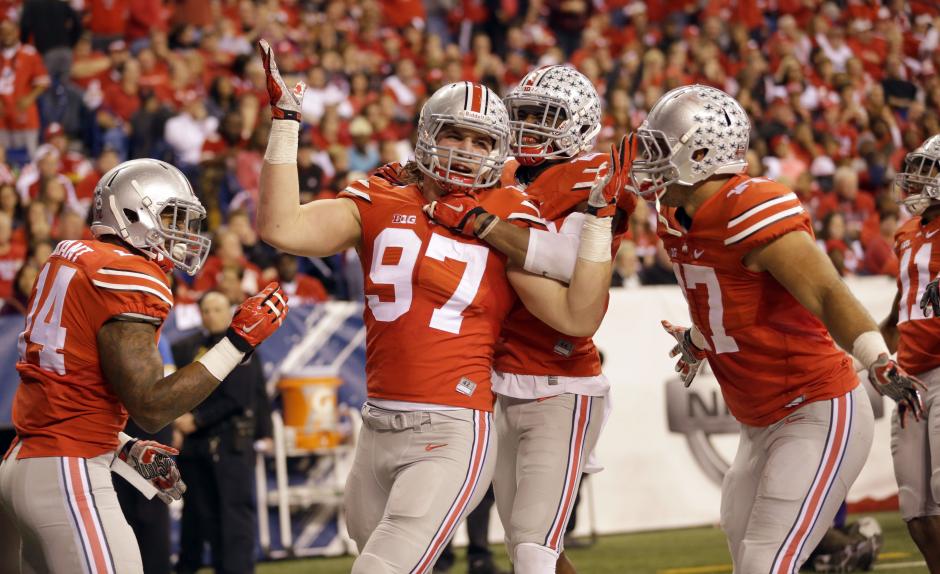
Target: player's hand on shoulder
285	102
154	462
891	380
930	301
457	212
690	356
257	318
611	179
390	172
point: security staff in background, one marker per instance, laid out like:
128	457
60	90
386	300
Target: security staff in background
150	519
217	455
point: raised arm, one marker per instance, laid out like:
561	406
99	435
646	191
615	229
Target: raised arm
132	366
315	229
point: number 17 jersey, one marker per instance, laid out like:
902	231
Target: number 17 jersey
435	300
768	352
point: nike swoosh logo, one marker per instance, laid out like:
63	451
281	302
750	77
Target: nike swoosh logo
252	328
698	253
930	234
429	447
457	209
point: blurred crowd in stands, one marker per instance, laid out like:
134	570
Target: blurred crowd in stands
837	92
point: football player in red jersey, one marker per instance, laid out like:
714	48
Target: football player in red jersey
541	374
914	331
88	357
763	301
436	297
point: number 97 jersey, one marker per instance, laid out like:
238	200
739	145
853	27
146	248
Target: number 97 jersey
768	352
435	300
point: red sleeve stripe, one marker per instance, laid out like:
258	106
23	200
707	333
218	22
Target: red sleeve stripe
761	207
356	194
126	287
119	274
530	205
764	223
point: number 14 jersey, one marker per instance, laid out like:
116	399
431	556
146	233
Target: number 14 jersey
435	300
768	352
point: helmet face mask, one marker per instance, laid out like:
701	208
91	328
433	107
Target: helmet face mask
566	111
691	134
150	206
918	185
464	109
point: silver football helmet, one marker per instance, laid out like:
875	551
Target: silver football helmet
918	184
150	205
567	109
691	134
463	105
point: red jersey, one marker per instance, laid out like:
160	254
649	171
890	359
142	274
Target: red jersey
768	352
527	346
64	406
435	299
918	248
21	70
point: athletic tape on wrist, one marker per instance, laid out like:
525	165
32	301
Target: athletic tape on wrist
868	347
282	142
221	359
595	239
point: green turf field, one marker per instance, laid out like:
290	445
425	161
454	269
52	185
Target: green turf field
689	551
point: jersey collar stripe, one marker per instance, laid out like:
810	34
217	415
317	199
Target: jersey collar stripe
137	275
840	429
581	420
762	224
142	288
478	452
761	207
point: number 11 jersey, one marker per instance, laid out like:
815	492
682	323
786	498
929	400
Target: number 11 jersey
769	353
435	300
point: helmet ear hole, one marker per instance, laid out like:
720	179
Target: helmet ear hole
699	154
131	215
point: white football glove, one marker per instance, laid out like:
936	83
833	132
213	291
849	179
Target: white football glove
285	103
690	355
152	461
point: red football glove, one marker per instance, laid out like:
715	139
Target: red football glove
892	381
457	212
612	177
285	103
390	172
257	318
152	461
690	356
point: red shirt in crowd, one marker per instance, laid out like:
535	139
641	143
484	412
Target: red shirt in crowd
21	70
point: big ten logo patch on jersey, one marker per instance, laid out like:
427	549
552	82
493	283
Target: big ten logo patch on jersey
700	413
466	386
564	347
404	219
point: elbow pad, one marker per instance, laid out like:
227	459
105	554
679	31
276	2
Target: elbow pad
552	254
